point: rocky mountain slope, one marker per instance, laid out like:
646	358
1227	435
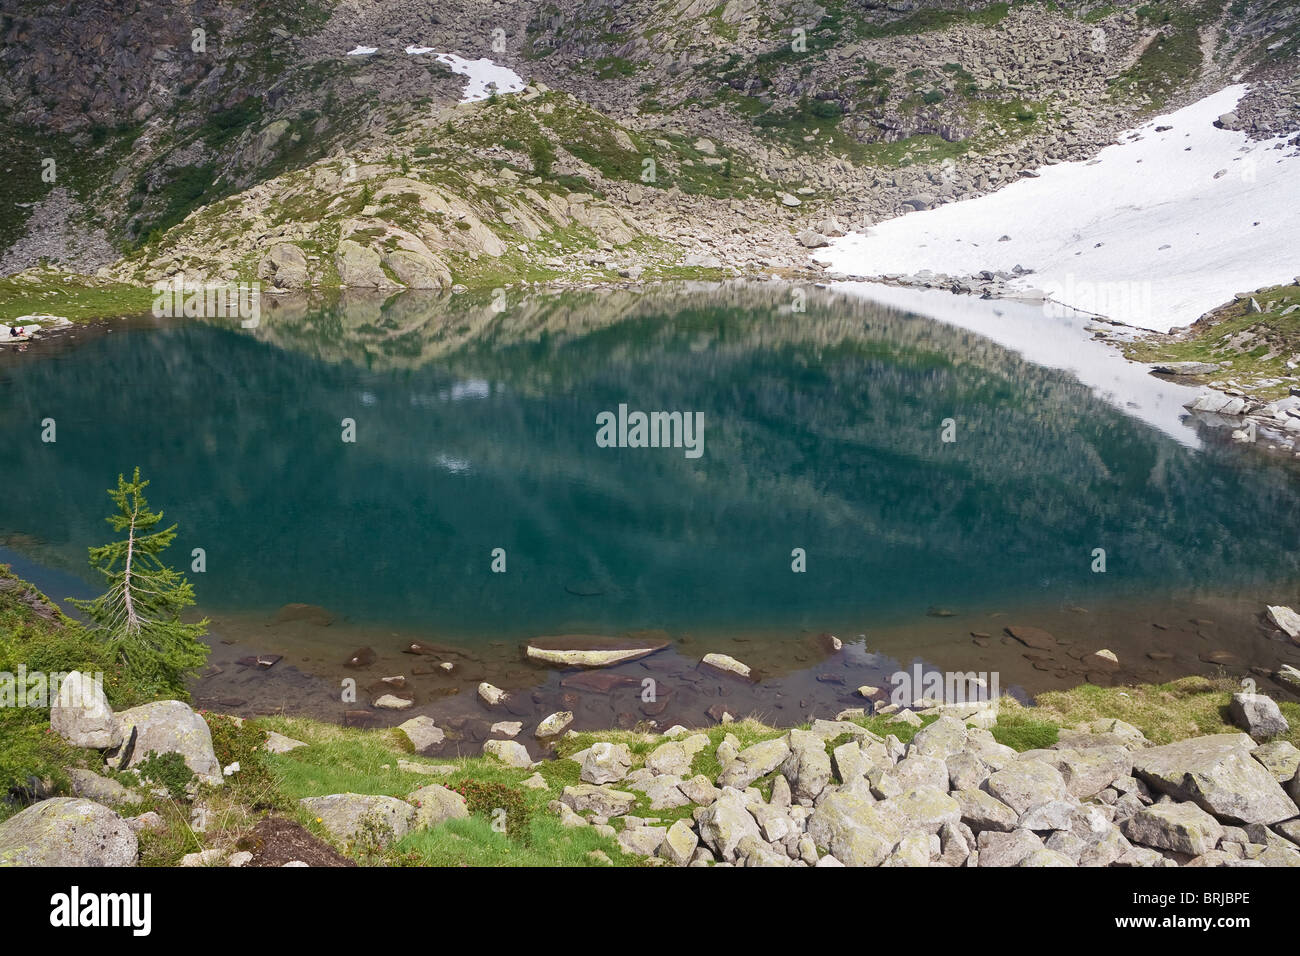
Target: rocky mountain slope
234	140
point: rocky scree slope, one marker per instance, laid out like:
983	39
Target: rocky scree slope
679	134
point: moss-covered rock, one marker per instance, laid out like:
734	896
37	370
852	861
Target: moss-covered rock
67	831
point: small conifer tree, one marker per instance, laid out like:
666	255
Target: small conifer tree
139	616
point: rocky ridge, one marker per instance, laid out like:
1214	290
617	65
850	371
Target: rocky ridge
261	156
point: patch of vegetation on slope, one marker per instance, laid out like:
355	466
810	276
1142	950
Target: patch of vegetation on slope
1259	350
1173	58
534	130
36	636
75	297
79	163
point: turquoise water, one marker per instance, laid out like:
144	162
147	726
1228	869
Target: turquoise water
477	431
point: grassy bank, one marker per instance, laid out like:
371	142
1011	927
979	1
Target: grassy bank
75	297
258	808
1250	347
345	760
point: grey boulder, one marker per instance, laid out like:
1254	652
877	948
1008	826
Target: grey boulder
67	831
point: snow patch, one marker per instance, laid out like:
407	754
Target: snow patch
485	77
1156	231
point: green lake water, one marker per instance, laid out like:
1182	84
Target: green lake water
477	431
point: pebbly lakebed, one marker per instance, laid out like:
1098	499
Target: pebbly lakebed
935	486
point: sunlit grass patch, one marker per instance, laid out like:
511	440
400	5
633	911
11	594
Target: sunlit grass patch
1188	707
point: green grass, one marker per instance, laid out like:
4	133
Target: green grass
474	842
1021	731
1183	708
81	164
1173	58
47	644
1251	347
925	21
78	298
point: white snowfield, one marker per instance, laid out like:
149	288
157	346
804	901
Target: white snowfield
1156	231
484	76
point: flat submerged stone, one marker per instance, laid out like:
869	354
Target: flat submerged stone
589	650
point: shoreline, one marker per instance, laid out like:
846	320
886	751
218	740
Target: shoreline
799	680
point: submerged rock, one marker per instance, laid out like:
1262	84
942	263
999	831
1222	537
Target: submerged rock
584	650
554	724
728	665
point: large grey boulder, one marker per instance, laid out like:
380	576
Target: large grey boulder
912	771
1181	827
1218	774
856	831
808	766
359	267
1258	716
1105	849
1090	770
284	266
676	756
664	792
724	823
604	801
437	804
509	752
754	762
423	733
607	763
1278	757
169	726
1007	849
415	270
67	831
642	840
1027	783
980	812
277	743
349	815
1046	857
923	810
943	738
679	843
966	771
80	714
850	762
